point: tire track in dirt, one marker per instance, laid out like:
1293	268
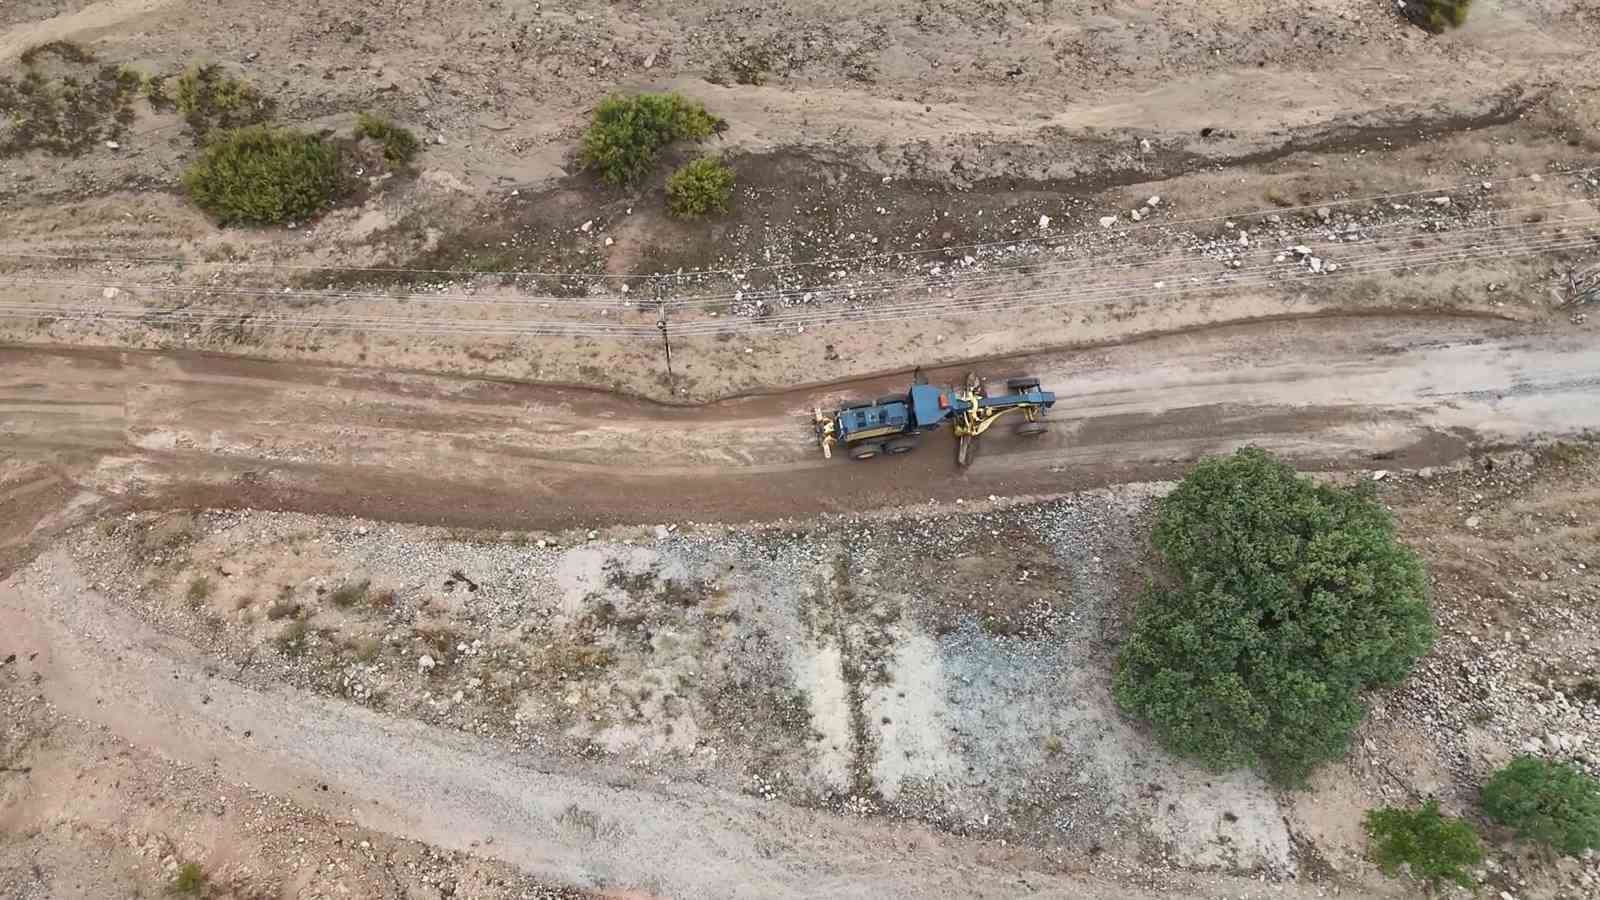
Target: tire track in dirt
155	429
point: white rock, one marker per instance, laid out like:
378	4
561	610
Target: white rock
1044	222
1136	215
609	241
663	532
1536	178
1244	238
113	145
110	293
1472	521
586	226
1440	201
1302	250
1380	475
1154	201
1316	264
1324	213
1144	145
425	664
1107	221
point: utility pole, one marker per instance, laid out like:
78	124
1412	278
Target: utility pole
666	341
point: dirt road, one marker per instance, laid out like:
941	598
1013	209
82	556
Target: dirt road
162	429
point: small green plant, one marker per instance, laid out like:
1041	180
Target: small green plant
699	187
1290	597
191	879
199	590
1435	847
291	640
260	175
349	594
628	132
1437	15
1551	802
400	146
210	99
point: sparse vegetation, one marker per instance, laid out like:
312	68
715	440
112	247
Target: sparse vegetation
700	187
199	590
260	175
400	146
65	108
628	132
1432	846
282	608
349	594
1290	597
291	640
210	100
190	879
1437	15
1548	801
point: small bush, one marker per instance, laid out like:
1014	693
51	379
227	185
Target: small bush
627	133
349	594
209	99
199	590
1437	15
1290	598
282	609
189	880
400	146
1435	847
260	175
291	640
700	187
1547	801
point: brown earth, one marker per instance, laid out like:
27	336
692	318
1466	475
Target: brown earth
1113	196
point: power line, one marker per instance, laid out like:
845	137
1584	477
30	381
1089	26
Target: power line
1098	266
1044	240
1041	300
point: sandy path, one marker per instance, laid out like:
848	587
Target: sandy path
83	25
104	665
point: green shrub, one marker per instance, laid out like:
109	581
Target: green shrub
260	175
189	880
1547	801
1437	15
349	594
291	640
700	187
209	100
199	590
1290	598
1435	847
400	146
627	133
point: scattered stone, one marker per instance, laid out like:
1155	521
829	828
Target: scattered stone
1472	521
1107	221
425	664
1324	213
113	145
1044	222
587	226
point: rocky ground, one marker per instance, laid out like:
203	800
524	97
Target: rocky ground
948	666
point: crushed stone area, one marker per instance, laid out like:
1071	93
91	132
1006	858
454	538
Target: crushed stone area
946	665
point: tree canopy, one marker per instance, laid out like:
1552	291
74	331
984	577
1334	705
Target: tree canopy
1287	599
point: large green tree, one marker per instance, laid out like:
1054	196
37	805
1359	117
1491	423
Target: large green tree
1287	598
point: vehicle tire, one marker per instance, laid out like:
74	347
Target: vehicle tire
866	450
1031	429
891	398
900	445
1022	384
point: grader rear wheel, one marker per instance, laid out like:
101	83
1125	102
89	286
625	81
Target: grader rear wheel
1031	429
865	451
